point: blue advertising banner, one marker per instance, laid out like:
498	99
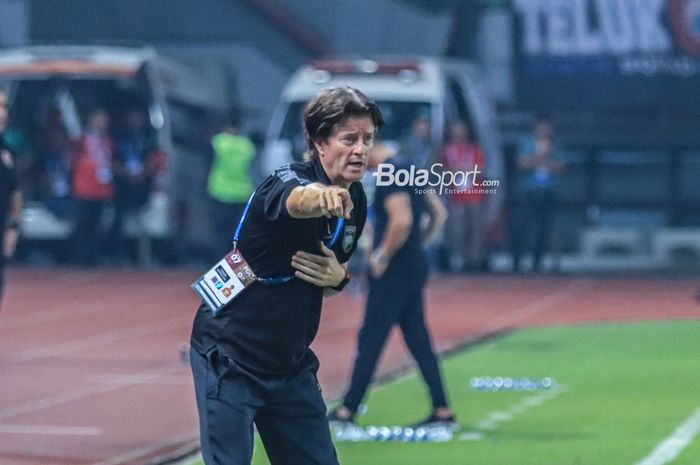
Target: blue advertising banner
608	53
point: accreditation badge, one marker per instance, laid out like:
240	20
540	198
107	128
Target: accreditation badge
225	280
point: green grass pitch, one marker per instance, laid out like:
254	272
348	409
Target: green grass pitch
624	389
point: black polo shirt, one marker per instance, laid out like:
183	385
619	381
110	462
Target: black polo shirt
408	267
268	328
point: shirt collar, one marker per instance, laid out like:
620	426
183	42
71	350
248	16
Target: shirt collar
319	172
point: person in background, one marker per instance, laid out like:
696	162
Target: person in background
417	148
134	169
92	186
398	273
10	196
54	147
464	224
538	172
229	185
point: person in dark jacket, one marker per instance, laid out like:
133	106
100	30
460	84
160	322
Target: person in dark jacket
10	196
251	359
398	273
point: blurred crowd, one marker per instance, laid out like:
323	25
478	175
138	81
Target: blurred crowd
465	246
91	174
97	174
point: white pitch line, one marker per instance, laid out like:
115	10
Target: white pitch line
182	440
191	460
86	391
509	319
80	345
493	419
42	317
51	430
672	446
516	315
14	320
180	379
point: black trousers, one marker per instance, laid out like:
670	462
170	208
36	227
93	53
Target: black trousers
288	411
389	303
533	225
88	239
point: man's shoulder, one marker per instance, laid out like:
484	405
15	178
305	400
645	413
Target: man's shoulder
300	172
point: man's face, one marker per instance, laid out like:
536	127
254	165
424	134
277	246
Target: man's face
459	132
421	128
344	154
543	129
99	121
3	111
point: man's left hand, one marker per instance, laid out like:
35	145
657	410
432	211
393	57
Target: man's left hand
378	263
320	270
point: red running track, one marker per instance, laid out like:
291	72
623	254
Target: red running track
90	371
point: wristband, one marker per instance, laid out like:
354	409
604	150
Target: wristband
380	255
341	285
13	224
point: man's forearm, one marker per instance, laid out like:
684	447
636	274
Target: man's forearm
397	232
315	200
304	201
437	215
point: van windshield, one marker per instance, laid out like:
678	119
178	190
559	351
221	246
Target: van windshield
398	117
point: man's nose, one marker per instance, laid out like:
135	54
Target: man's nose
360	147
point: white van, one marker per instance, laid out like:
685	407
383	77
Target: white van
179	100
403	88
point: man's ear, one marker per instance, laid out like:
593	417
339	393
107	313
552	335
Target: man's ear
319	144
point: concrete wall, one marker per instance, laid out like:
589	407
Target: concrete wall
258	79
375	26
259	56
14	23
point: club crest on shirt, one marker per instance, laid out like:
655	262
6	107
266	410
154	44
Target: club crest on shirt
6	158
348	238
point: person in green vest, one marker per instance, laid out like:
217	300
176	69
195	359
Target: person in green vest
229	184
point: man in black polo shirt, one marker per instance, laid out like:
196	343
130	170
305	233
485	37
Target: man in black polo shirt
251	360
398	274
10	196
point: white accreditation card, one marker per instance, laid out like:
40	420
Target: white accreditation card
224	281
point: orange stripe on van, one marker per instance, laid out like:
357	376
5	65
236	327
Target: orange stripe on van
66	67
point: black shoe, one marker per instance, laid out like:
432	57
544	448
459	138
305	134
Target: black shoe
333	418
434	421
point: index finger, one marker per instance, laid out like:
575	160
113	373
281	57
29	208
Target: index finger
347	204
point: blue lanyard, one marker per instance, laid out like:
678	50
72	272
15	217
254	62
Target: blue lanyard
281	279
